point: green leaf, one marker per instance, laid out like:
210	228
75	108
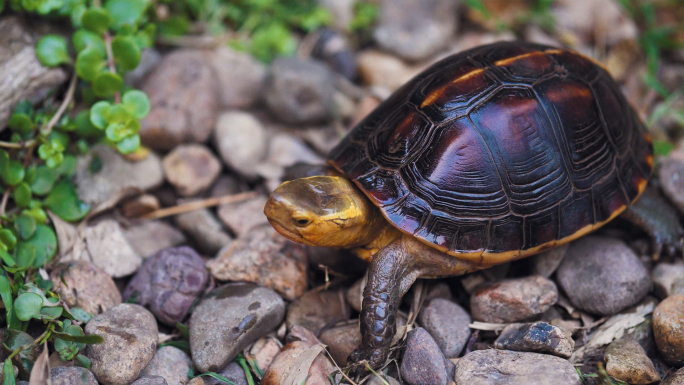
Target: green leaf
22	195
83	39
662	147
44	180
52	51
82	361
13	174
25	226
273	40
99	113
7	259
106	84
137	103
8	373
64	202
6	295
8	238
96	20
175	25
81	314
51	312
45	242
125	12
126	52
89	63
119	114
26	255
90	339
68	166
2	5
51	153
129	144
21	123
28	306
36	213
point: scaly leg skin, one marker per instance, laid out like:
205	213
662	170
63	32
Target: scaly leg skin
660	220
390	275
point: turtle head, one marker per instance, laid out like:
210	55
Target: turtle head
322	211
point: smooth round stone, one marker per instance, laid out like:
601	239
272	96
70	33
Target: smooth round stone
668	329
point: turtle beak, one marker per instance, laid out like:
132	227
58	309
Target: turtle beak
278	215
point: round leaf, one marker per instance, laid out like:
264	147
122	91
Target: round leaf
8	238
137	102
119	114
52	51
83	39
45	242
14	173
99	113
129	144
28	306
64	202
25	226
126	52
26	255
44	180
84	127
36	213
96	20
21	123
51	312
22	195
106	84
125	12
89	63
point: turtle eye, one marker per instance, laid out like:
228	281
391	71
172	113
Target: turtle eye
301	221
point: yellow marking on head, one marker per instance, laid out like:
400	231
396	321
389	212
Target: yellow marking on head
440	91
649	160
504	62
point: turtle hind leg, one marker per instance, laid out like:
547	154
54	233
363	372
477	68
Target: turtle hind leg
660	220
390	275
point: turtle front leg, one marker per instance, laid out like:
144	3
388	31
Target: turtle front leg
660	220
390	275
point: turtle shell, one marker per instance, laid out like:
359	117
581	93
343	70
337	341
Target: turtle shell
500	152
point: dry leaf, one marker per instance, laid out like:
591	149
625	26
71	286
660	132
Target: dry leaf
40	374
477	325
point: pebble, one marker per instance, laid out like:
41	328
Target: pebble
602	275
342	12
506	367
183	94
284	151
148	237
580	18
130	341
241	217
539	337
382	69
423	362
447	323
241	141
674	378
265	257
240	77
626	360
228	184
205	229
109	249
233	372
546	263
169	282
170	363
333	49
298	363
191	169
416	30
72	376
230	318
671	176
668	279
140	205
315	310
300	91
341	341
73	281
668	329
264	350
149	59
513	300
389	380
114	178
150	380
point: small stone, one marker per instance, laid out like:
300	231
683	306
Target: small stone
300	91
130	341
675	378
341	341
240	76
315	310
668	279
150	380
602	275
342	12
416	30
241	217
149	237
191	169
668	329
232	372
284	151
376	381
169	282
228	184
671	176
513	300
109	249
203	227
333	49
183	94
546	263
230	318
381	69
149	59
140	205
265	257
447	323
170	363
354	294
581	18
264	350
241	141
74	282
423	362
505	367
539	337
626	360
105	177
72	376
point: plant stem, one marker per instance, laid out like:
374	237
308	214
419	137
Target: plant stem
110	61
5	198
68	97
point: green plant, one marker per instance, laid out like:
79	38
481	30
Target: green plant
365	15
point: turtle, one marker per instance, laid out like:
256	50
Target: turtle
489	155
